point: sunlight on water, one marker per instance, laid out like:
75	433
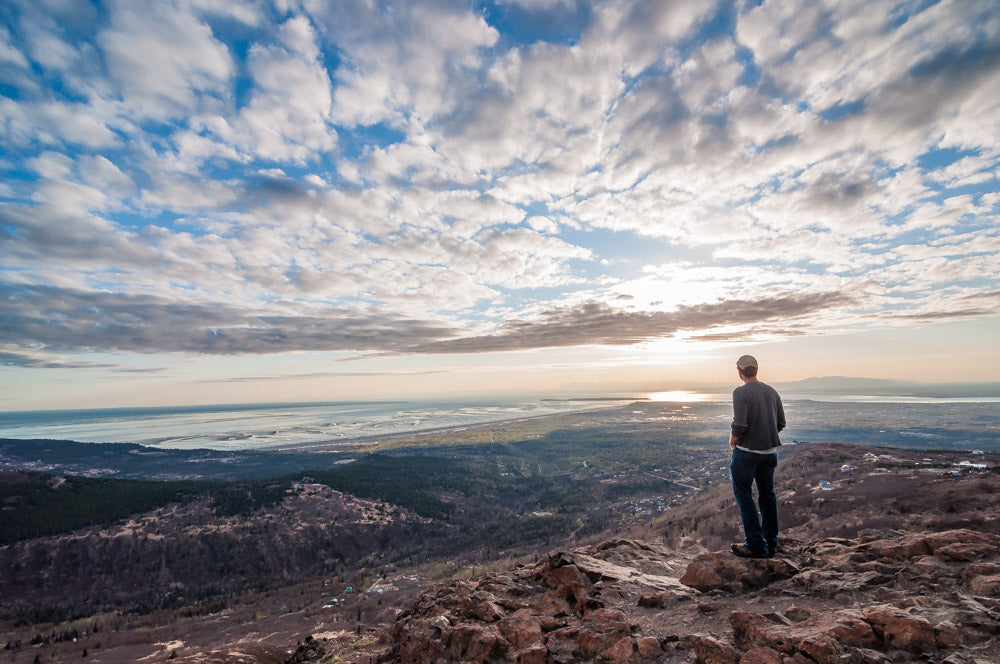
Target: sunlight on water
682	396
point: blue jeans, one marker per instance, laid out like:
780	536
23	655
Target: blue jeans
761	529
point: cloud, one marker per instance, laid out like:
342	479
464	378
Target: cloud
10	56
324	374
164	60
64	320
544	5
401	67
642	32
16	357
54	124
933	316
753	334
289	112
408	177
597	323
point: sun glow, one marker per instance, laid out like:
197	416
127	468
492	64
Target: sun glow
677	396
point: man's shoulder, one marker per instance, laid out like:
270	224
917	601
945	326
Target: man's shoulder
755	387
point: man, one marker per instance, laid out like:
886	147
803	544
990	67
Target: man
758	416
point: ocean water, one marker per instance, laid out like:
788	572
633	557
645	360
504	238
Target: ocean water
260	426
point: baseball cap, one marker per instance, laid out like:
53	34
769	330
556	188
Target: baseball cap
746	361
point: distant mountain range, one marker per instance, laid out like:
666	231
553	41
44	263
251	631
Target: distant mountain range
835	385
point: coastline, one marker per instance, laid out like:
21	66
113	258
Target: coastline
295	427
374	439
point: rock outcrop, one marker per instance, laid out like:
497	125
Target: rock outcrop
569	608
888	597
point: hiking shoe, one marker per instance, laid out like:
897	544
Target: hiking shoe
743	551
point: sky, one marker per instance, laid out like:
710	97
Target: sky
214	201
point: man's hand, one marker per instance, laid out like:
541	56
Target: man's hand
732	441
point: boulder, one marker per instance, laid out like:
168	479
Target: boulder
484	606
898	630
522	629
724	571
601	630
621	651
710	650
648	647
472	643
537	654
823	638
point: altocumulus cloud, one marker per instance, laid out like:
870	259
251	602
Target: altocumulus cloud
453	177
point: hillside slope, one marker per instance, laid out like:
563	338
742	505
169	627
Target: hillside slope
182	553
913	597
885	488
898	562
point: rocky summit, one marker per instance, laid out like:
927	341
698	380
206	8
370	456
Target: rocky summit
878	598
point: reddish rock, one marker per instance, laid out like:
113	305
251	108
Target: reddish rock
648	647
952	545
798	658
709	650
597	635
964	552
570	584
986	586
707	572
947	538
761	656
724	571
931	566
522	629
822	638
899	630
567	574
979	569
621	651
821	648
601	630
909	546
610	617
483	606
417	642
537	654
471	643
799	613
549	623
562	644
659	600
550	603
948	635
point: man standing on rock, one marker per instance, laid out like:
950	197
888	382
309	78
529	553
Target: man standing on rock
758	416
